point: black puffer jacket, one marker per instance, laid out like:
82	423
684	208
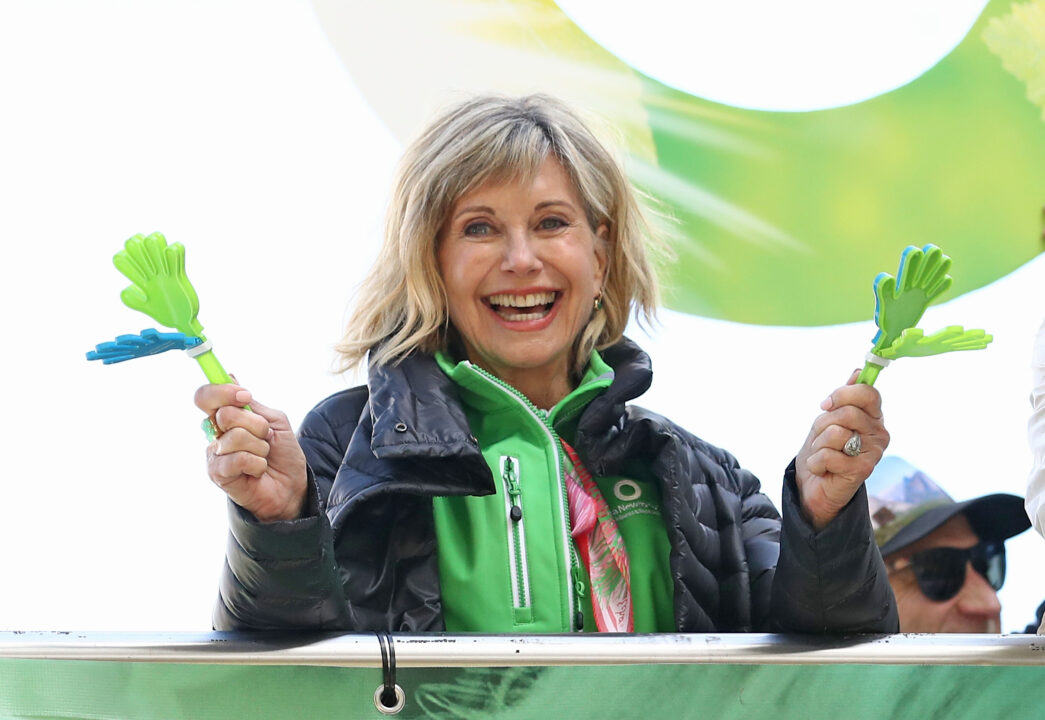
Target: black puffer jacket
366	557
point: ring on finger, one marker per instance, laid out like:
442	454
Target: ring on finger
853	445
210	429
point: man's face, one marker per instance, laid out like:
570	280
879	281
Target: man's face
974	609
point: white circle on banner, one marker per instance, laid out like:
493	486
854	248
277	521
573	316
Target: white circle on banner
786	56
627	490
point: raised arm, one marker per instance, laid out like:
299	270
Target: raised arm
830	577
279	570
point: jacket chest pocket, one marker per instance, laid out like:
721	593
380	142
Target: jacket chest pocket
522	605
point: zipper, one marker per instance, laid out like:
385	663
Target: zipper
519	567
572	560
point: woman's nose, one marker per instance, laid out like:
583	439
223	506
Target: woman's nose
520	256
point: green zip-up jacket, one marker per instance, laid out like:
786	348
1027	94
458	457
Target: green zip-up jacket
366	555
507	562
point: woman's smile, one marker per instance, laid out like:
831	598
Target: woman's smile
520	308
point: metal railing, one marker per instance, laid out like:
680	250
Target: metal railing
438	650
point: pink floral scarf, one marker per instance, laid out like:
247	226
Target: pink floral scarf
601	548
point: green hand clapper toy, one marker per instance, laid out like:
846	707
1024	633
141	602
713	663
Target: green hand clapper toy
162	291
899	305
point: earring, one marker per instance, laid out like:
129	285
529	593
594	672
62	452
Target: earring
597	305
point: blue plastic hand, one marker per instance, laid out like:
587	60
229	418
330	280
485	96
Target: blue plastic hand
149	342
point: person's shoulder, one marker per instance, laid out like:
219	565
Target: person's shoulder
662	424
713	463
333	413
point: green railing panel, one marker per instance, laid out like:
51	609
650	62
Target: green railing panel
169	676
167	691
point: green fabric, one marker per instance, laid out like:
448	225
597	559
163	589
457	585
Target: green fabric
62	690
475	560
472	533
635	502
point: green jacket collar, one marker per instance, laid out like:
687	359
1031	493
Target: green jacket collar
482	391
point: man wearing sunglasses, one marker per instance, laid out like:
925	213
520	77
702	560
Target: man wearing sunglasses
945	559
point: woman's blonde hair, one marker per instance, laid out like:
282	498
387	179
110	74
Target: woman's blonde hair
401	305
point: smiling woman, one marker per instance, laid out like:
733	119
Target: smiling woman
491	476
480	182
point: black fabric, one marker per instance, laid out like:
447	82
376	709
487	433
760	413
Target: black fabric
365	557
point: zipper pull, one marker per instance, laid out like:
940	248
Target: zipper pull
511	479
579	585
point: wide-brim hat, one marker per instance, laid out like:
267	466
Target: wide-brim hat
906	505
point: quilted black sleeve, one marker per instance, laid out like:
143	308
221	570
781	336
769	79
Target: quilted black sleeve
283	575
760	531
834	580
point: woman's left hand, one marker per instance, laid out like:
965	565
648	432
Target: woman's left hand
827	477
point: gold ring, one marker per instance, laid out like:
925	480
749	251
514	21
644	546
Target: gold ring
209	429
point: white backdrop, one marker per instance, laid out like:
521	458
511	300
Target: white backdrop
233	128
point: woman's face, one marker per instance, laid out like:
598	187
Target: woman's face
522	268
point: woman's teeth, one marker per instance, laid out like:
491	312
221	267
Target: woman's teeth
542	298
520	316
519	308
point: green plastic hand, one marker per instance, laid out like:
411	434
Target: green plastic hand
162	290
160	287
913	342
900	302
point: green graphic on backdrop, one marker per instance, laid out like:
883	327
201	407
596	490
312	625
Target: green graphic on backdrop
764	201
155	691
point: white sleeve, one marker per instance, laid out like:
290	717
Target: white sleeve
1036	435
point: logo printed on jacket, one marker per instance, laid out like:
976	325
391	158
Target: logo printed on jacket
627	495
627	490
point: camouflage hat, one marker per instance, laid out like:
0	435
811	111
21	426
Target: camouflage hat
906	505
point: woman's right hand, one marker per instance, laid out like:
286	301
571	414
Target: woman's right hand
256	459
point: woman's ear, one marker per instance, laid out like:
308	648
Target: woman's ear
602	248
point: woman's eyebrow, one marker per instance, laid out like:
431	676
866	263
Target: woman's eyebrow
475	208
548	203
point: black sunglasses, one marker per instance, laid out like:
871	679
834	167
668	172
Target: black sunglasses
940	572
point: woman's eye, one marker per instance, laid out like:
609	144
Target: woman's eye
477	229
552	223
